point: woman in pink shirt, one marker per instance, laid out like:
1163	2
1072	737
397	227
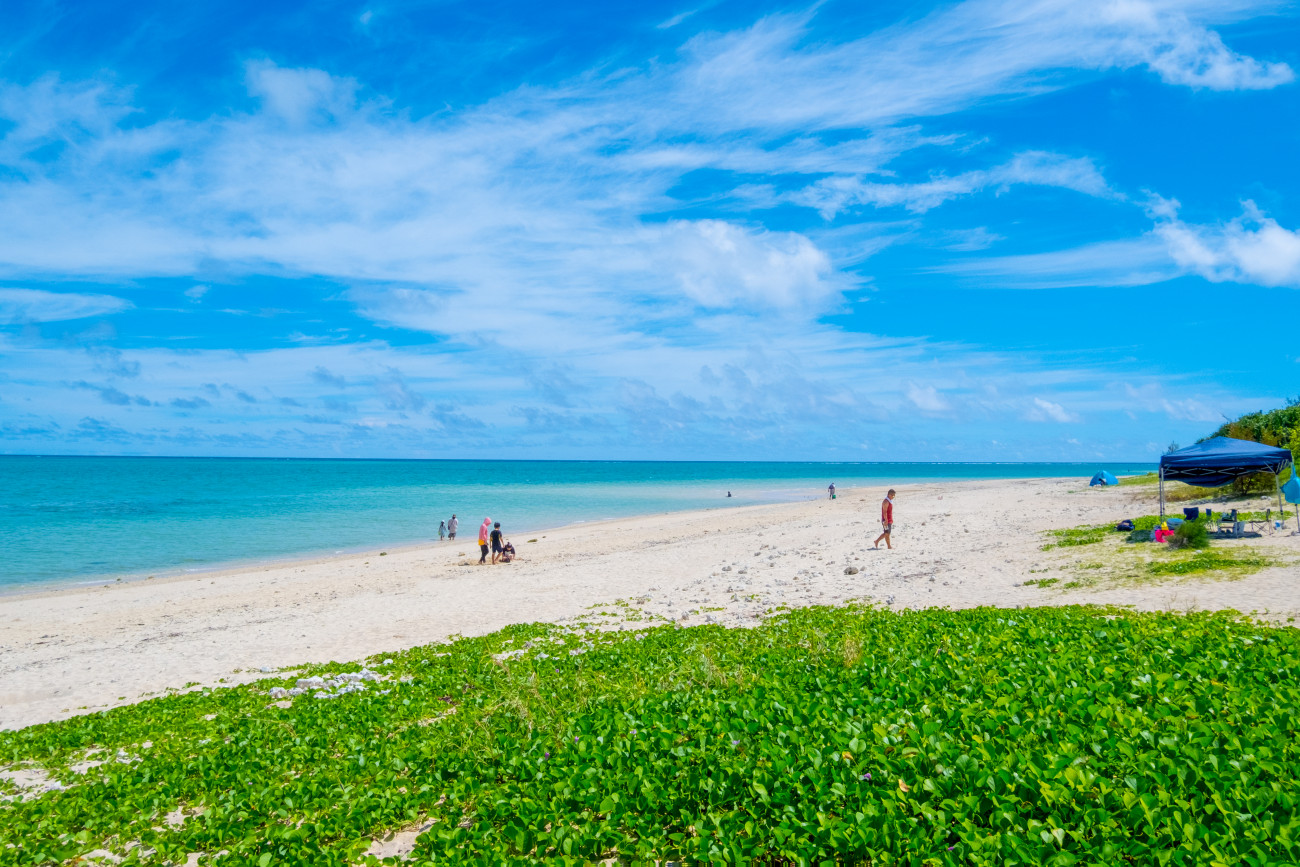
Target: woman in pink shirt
483	532
886	520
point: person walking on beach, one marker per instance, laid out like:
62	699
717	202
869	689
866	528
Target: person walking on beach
451	528
442	530
831	489
496	542
483	540
886	520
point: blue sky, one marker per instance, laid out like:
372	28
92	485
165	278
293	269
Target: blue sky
989	230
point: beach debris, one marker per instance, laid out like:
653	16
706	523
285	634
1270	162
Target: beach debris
850	570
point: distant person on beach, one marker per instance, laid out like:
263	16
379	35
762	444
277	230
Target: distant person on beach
497	540
886	520
483	531
451	527
442	530
831	489
728	494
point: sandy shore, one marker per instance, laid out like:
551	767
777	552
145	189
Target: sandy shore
956	544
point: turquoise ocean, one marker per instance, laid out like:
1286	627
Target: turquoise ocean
82	520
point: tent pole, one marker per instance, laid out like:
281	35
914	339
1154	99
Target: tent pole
1277	486
1162	492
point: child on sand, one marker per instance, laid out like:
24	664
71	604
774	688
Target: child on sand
886	520
497	540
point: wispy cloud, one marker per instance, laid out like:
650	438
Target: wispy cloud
832	195
1133	262
623	230
18	306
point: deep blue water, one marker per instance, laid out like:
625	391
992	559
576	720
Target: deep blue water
80	519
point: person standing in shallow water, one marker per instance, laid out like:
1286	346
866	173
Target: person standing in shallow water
451	528
886	520
483	532
442	530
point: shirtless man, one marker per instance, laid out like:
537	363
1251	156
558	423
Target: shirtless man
886	520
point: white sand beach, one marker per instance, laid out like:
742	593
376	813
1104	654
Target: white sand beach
955	544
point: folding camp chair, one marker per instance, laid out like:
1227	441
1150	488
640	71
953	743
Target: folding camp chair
1261	526
1226	522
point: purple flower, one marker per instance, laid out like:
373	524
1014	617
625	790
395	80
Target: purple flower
866	776
546	756
735	743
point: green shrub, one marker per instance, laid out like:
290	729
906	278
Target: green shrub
1190	534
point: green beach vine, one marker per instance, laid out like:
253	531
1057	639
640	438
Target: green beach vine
985	736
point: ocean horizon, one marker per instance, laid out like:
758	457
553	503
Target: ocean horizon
69	520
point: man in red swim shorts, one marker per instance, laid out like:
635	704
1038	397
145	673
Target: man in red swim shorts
886	520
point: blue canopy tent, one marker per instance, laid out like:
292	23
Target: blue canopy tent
1103	478
1219	461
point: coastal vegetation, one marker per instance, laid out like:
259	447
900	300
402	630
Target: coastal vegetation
1127	560
1277	427
984	736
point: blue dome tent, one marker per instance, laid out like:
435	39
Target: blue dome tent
1219	461
1103	478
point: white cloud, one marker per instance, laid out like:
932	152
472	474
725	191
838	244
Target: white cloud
1189	410
299	96
1135	262
676	19
1046	410
722	265
1180	51
834	194
970	240
18	306
1252	248
926	398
